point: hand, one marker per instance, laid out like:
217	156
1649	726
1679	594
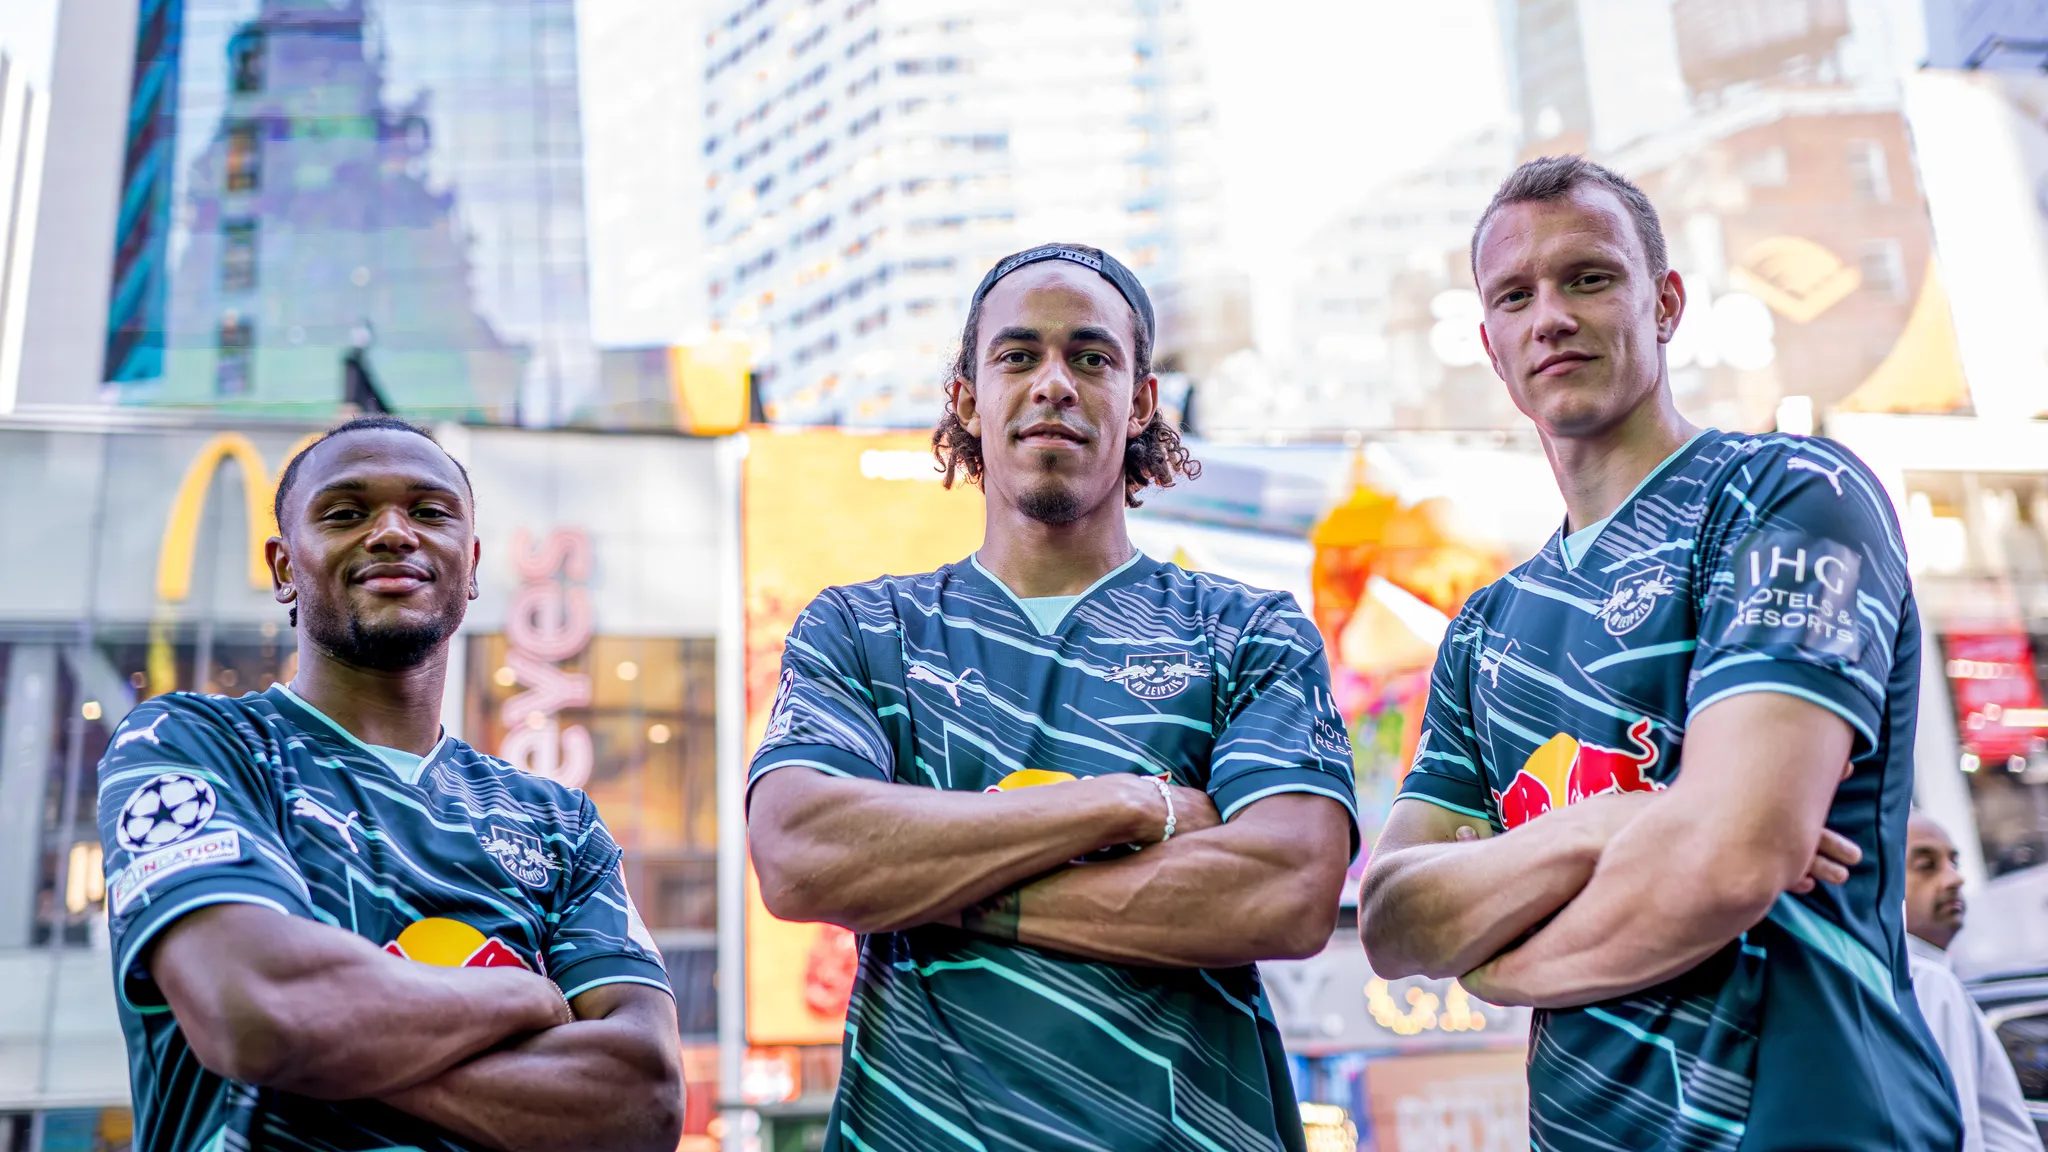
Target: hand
1831	862
1605	815
1193	811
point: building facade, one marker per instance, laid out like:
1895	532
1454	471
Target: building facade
867	162
24	127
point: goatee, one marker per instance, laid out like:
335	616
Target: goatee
1050	504
390	648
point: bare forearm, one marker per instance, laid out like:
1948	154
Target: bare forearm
1656	906
1225	896
1440	909
878	857
592	1084
320	1012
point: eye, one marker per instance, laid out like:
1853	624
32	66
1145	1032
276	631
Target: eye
1093	359
1594	281
341	512
1514	296
1013	357
431	512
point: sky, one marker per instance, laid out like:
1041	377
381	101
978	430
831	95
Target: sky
28	33
1320	100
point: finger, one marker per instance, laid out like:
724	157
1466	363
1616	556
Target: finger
1802	887
1466	832
1828	872
1835	846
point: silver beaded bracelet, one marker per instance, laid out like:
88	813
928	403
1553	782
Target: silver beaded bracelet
1166	794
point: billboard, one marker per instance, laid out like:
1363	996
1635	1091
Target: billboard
825	507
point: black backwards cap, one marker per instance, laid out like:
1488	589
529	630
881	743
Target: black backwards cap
1104	265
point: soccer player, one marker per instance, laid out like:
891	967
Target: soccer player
945	747
337	928
1987	1089
1661	788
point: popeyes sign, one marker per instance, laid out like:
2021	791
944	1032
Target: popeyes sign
548	625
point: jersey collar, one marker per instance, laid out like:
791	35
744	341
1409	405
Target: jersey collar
1593	531
1113	576
281	693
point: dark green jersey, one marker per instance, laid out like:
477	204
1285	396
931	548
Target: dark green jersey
957	1042
454	858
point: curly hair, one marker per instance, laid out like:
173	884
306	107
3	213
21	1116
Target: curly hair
1154	456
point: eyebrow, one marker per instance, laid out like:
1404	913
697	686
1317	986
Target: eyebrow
1027	335
427	487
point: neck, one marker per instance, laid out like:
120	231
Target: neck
1597	472
1034	558
399	709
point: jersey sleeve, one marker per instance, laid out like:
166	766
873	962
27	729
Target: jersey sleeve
188	818
1806	589
1447	768
1281	729
598	937
824	712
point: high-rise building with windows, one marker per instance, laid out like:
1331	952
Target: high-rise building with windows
867	160
24	123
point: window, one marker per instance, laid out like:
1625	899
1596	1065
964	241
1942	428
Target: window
1869	173
238	256
245	62
237	340
244	162
1770	168
1884	268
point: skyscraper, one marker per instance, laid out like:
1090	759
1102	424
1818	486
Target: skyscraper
306	177
24	121
867	162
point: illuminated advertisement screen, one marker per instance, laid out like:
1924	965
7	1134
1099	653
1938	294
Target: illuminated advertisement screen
822	508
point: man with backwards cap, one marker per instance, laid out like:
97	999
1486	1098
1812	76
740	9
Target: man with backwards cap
1066	793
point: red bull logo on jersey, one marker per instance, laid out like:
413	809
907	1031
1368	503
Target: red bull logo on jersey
446	943
1564	771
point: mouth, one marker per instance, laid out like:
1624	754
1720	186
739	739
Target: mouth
1047	434
1562	363
393	579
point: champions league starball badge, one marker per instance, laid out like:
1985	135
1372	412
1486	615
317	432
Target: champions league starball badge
168	809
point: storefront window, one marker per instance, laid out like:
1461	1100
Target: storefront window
1979	543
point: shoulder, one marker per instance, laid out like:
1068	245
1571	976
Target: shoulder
1747	467
176	715
481	779
883	593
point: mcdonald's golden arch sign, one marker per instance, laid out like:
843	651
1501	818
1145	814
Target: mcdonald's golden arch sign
177	548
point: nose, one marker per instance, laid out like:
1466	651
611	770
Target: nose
1553	320
1053	386
391	530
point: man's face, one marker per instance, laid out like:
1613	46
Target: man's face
1934	885
1053	400
378	550
1574	319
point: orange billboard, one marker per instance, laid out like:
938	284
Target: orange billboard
825	507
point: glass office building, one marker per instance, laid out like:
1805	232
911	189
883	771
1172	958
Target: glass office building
310	180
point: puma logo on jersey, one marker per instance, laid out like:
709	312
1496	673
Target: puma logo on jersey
1832	475
306	806
146	732
926	674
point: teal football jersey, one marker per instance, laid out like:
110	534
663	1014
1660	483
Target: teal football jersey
455	859
1741	564
943	680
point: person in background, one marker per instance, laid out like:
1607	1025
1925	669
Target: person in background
1994	1113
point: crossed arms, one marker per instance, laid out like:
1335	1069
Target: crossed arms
1622	892
878	857
491	1054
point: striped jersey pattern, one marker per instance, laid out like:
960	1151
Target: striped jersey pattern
942	680
1742	564
456	859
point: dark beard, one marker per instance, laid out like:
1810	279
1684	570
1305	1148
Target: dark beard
391	649
1050	504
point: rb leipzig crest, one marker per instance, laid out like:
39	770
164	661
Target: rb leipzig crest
1159	675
